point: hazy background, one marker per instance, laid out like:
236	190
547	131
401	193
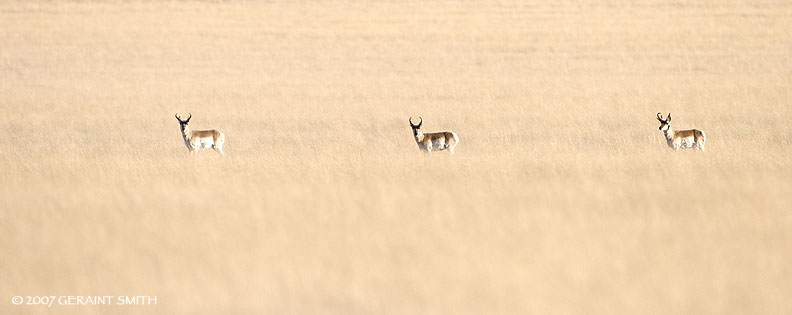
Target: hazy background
562	197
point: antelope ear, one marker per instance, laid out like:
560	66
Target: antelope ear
669	117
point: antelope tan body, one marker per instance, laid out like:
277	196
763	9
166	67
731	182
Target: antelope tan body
200	139
435	141
681	139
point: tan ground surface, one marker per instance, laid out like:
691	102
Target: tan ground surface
562	197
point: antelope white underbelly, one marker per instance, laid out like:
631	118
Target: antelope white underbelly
203	143
438	143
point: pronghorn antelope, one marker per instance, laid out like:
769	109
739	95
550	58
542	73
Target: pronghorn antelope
683	138
437	141
200	139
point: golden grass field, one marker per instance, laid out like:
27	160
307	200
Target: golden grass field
562	197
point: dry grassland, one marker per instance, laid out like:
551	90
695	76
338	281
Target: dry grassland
562	197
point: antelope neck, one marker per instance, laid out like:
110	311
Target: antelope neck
186	130
669	134
418	134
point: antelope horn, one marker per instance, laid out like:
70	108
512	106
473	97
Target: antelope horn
659	117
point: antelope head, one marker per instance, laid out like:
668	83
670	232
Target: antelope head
416	128
183	123
664	123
